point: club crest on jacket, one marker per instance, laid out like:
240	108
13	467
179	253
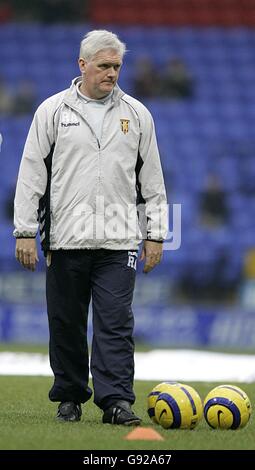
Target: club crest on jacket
124	125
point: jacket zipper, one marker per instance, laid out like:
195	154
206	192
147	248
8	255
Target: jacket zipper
99	154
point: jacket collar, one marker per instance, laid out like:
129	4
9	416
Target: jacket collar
71	97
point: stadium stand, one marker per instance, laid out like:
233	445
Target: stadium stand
212	132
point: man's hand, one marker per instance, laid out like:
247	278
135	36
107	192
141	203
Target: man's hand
26	252
152	253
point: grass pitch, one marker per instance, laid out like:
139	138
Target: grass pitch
27	421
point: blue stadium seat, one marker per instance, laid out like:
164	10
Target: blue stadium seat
196	136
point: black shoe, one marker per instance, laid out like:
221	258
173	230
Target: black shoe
121	413
69	411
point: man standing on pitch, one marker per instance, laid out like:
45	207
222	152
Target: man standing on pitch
91	155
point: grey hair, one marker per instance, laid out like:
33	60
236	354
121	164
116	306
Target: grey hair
99	39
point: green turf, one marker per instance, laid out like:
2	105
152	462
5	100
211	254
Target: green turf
27	421
20	347
140	347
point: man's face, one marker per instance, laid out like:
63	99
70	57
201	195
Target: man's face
100	73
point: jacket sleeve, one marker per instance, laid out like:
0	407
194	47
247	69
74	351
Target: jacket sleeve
32	177
150	182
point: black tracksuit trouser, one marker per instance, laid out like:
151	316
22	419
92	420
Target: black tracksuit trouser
73	277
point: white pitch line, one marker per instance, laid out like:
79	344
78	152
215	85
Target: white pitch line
161	365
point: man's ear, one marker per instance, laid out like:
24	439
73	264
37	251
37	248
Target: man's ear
82	64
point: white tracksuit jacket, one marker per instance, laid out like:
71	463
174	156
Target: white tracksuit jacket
81	192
